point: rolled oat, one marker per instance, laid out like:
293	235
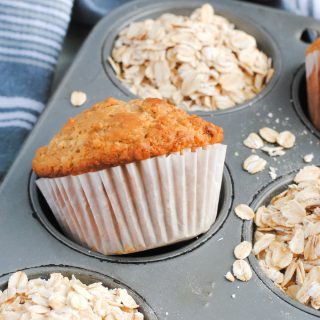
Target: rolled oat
241	270
254	164
244	212
286	139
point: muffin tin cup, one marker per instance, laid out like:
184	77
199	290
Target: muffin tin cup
265	41
47	218
142	205
263	198
87	277
184	280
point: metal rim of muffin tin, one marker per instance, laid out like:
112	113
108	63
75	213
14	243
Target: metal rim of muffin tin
298	91
266	43
263	197
87	277
225	204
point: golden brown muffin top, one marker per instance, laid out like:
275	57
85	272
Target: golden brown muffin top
115	132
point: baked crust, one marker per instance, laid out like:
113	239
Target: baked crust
314	46
115	132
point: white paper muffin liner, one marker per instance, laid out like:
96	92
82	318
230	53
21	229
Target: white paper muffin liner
141	205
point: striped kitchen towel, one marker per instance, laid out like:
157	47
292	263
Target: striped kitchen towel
304	7
31	36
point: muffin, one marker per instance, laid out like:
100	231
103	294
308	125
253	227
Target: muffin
124	177
313	81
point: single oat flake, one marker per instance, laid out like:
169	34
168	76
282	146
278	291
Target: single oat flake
229	276
78	98
254	164
268	134
273	151
241	270
244	212
286	139
253	141
197	62
243	250
287	238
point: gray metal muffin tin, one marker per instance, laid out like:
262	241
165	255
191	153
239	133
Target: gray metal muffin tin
185	281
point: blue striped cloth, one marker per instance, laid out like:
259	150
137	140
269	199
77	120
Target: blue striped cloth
303	7
31	36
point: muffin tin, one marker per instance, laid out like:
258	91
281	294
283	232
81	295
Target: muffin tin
185	281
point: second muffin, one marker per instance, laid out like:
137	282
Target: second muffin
124	177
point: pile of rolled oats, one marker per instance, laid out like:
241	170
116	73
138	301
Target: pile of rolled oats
199	62
60	298
287	238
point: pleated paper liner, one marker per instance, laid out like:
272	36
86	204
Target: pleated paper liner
141	205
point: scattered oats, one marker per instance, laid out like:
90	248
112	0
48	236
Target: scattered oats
272	173
233	296
229	276
287	238
241	270
254	164
236	154
286	139
242	250
253	141
270	114
244	212
273	151
277	120
61	298
199	62
220	239
269	134
308	157
78	98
